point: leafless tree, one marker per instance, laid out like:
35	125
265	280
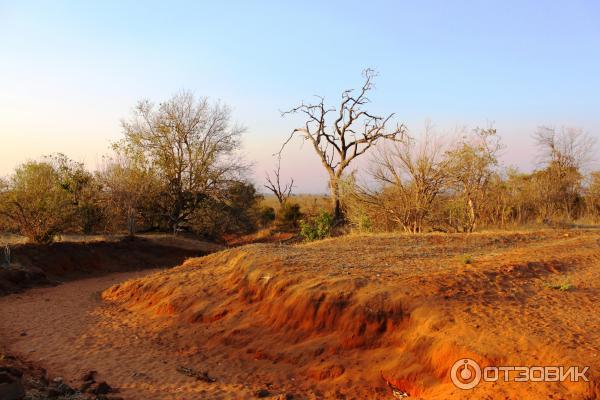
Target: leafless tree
348	134
274	184
565	148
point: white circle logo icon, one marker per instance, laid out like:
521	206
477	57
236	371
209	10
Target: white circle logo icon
465	373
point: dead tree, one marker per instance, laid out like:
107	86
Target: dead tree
338	140
274	185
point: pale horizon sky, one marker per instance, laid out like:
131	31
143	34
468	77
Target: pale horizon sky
70	71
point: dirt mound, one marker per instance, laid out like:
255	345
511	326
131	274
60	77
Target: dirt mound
34	264
367	317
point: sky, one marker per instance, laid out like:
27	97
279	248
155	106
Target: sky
71	70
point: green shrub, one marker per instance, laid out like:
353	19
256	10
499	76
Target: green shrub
563	286
316	228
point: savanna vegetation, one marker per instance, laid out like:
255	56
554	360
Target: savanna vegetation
179	167
425	185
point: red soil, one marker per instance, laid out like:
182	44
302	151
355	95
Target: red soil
338	319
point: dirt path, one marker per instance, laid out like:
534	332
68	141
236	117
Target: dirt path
68	330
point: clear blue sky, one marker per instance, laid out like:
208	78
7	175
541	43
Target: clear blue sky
69	71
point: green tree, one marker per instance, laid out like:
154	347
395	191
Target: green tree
83	189
37	203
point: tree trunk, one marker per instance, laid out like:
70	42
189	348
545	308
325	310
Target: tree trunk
334	187
131	221
471	215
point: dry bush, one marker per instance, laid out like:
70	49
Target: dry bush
592	196
471	166
130	193
420	187
411	176
288	216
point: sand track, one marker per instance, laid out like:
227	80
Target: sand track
327	320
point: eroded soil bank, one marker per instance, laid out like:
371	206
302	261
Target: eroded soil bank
346	318
37	265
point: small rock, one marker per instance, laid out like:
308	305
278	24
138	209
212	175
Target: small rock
102	388
85	386
65	389
23	334
262	393
140	375
399	394
89	376
52	393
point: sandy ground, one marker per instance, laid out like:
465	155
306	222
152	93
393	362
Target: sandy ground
69	330
338	319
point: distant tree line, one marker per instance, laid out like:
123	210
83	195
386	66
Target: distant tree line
178	168
424	185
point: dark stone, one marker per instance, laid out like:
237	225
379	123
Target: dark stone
65	389
262	393
89	376
102	388
12	391
85	386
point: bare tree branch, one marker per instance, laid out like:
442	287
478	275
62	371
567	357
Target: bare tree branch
351	134
274	184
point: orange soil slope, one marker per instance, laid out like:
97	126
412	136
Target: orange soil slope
339	318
